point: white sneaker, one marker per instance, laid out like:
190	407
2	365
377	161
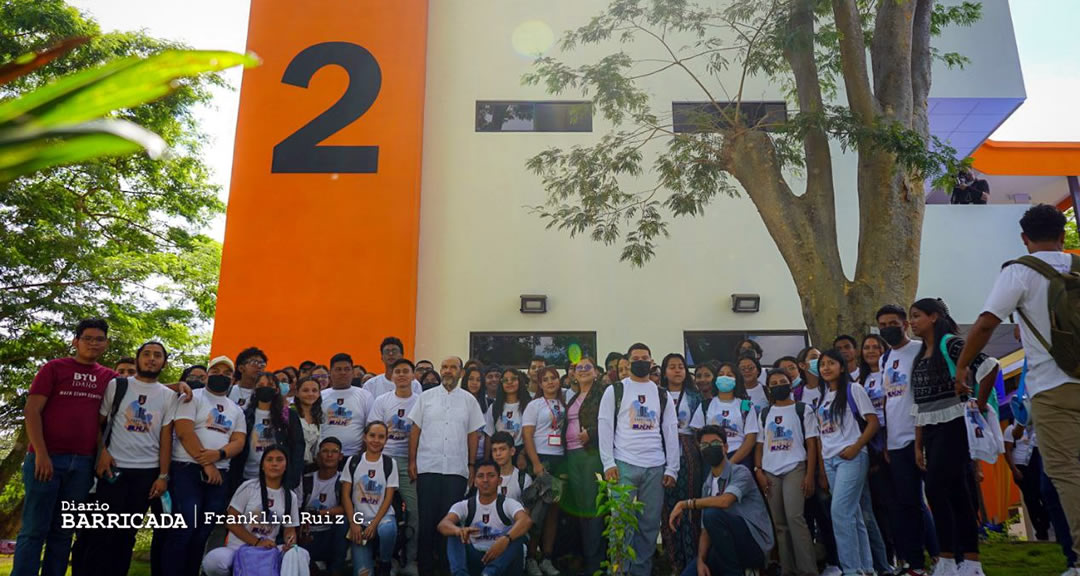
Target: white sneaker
548	568
945	567
532	569
969	568
1074	571
831	570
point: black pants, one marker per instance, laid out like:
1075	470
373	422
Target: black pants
950	486
732	549
881	490
818	513
1031	488
906	506
435	494
108	550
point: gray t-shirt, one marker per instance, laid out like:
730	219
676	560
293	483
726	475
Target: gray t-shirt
749	504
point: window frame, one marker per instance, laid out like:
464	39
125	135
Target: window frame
743	334
675	114
587	103
583	335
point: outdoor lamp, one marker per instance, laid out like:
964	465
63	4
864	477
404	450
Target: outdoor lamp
744	303
533	303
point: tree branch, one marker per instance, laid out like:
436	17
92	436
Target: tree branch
799	52
891	58
853	60
921	66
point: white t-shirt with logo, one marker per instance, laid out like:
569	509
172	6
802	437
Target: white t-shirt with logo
876	391
136	429
729	416
487	520
262	437
240	395
394	412
369	485
758	397
1020	287
324	496
345	412
812	396
215	419
637	438
899	398
510	485
248	500
509	421
381	384
836	436
783	440
1022	446
546	416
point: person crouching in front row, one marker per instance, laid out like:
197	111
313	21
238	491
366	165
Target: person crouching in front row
485	533
737	532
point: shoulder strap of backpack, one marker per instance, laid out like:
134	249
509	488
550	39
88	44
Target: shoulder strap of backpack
118	399
663	394
745	407
521	480
470	512
944	345
800	411
765	416
618	388
354	463
854	407
387	467
307	486
500	500
1038	265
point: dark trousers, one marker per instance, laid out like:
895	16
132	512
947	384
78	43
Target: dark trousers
908	514
182	548
329	546
881	490
732	549
1031	488
435	493
41	520
1056	513
818	513
108	550
580	502
950	486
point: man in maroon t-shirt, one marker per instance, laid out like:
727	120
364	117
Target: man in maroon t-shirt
62	423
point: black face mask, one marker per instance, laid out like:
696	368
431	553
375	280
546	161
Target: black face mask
713	455
894	335
640	368
265	394
218	383
781	392
195	384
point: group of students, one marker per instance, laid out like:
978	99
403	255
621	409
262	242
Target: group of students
478	469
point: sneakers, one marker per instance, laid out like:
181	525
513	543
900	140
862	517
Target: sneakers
912	572
1074	571
945	567
969	568
831	570
532	568
548	568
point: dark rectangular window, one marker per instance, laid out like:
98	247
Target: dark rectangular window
525	116
707	117
705	346
516	349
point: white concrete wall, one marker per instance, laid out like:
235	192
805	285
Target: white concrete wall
480	247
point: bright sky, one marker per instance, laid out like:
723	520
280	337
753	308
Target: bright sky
1045	34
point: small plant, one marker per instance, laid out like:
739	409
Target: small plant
620	509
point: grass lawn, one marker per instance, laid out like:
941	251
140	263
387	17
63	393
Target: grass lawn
998	559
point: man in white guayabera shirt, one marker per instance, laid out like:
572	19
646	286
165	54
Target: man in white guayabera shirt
639	447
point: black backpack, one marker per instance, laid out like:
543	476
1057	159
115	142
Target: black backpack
500	500
800	411
118	399
618	386
398	504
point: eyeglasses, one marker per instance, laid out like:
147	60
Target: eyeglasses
705	445
332	452
256	363
320	377
94	339
583	367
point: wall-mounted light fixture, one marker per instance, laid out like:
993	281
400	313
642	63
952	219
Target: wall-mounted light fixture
745	303
533	304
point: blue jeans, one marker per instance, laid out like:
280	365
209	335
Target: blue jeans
468	561
649	489
847	482
41	525
385	538
183	549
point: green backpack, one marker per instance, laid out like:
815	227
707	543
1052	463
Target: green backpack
1063	298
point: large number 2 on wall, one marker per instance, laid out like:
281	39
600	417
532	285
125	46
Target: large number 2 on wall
300	152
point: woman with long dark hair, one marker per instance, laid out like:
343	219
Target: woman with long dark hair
308	406
705	379
941	445
368	494
681	544
751	373
504	414
473	382
731	410
843	411
269	423
265	497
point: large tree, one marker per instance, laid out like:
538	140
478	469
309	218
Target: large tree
879	51
117	237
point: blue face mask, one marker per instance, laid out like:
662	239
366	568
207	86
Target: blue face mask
813	367
725	384
797	382
284	387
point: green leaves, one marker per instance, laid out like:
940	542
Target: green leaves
619	508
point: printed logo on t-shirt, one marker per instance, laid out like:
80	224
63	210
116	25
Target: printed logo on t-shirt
485	518
399	426
484	530
370	490
724	421
241	401
264	437
322	498
781	439
641	418
339	415
827	424
217	421
137	418
876	394
503	489
897	381
507	424
684	418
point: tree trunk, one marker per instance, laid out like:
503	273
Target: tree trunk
11	518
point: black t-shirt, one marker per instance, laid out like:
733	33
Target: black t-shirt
972	194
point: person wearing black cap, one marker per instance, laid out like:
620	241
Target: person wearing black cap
324	537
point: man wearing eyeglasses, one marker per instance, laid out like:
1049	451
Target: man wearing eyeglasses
249	363
324	536
62	425
391	350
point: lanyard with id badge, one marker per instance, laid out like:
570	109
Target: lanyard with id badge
555	436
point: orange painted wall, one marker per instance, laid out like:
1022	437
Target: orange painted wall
320	258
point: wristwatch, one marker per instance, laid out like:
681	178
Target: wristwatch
164	477
221	453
